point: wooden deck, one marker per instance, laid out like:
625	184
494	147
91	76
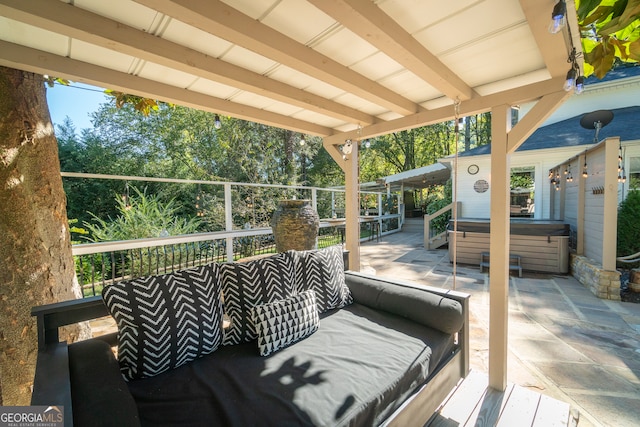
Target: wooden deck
473	403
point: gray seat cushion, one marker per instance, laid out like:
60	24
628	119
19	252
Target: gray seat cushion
355	370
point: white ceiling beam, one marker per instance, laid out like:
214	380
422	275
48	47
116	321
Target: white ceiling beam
74	22
37	61
368	21
554	54
222	20
473	106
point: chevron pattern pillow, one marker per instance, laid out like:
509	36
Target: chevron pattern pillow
165	321
245	285
281	323
323	271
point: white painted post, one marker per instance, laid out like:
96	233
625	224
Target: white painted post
610	214
352	209
314	199
333	204
228	220
499	248
582	185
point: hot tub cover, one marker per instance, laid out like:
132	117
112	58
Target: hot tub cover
520	226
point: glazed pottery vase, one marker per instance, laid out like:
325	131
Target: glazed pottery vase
295	225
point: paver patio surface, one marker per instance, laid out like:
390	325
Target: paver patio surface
563	341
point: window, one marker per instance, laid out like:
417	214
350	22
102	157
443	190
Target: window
522	191
634	173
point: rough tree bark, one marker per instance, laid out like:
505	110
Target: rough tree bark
36	265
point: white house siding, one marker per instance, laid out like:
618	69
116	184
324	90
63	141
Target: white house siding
594	206
571	202
477	205
599	96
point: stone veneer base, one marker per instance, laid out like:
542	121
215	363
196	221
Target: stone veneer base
602	283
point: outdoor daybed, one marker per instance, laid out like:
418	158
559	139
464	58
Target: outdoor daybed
333	348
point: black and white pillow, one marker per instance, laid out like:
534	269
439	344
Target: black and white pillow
281	323
323	271
245	285
165	321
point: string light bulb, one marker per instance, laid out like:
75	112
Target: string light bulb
570	81
558	17
579	85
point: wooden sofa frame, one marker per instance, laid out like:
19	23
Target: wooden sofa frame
52	384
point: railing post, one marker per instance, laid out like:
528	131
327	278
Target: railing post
427	232
333	205
314	199
228	220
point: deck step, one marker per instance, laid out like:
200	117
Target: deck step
474	403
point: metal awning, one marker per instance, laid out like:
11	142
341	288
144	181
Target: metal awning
413	179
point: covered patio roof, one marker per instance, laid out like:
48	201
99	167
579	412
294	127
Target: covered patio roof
340	69
315	66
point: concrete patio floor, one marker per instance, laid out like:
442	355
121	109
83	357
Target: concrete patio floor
563	341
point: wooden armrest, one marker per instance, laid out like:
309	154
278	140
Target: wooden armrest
52	385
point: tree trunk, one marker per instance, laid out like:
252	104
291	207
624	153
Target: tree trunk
36	265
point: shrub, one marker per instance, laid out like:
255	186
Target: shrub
629	225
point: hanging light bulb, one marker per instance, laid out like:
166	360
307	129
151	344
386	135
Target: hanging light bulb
367	143
216	122
570	82
579	85
302	141
558	17
585	173
347	147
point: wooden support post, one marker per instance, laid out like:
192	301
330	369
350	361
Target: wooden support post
499	248
581	202
352	208
610	214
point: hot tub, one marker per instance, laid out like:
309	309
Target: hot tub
543	245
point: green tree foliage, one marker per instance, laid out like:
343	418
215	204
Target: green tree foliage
521	180
141	216
406	150
87	153
178	142
437	197
628	225
410	149
610	32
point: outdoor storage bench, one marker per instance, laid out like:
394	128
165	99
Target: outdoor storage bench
287	340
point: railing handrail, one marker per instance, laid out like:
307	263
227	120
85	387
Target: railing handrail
188	181
202	181
120	245
439	212
428	240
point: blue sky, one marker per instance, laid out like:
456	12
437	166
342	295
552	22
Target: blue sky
76	101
